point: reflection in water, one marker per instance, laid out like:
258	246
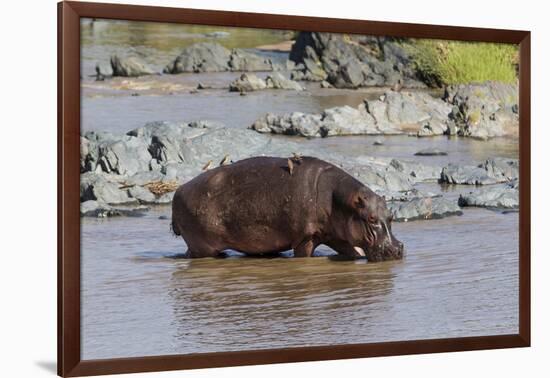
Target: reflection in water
272	301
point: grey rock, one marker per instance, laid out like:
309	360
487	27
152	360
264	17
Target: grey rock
97	187
277	81
418	172
201	57
347	75
154	165
168	140
296	123
380	179
142	194
247	83
144	177
410	112
89	155
101	210
504	197
166	198
242	60
205	124
180	172
347	63
103	70
484	110
203	86
502	169
492	171
125	156
424	208
129	67
213	57
345	120
393	113
250	82
468	175
431	152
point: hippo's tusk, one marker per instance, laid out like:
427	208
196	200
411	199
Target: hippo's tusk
360	251
388	232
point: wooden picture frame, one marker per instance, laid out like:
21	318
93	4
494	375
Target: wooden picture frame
69	357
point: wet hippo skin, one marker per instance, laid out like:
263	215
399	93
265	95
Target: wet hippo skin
266	205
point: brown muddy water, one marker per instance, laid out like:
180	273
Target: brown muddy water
459	276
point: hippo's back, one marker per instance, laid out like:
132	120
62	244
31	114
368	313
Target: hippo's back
255	197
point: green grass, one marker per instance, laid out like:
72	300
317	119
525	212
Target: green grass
451	62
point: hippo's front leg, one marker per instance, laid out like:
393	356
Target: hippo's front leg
305	248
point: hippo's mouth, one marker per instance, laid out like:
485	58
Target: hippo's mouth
374	250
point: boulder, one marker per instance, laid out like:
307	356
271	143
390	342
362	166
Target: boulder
393	113
142	178
141	194
250	82
277	81
492	171
129	67
412	112
89	155
466	174
296	123
424	208
125	156
350	62
345	120
213	57
502	169
484	110
99	187
380	179
242	60
201	57
503	197
431	152
167	140
236	143
417	172
247	83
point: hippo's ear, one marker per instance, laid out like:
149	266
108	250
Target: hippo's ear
353	201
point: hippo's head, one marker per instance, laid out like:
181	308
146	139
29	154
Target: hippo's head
368	227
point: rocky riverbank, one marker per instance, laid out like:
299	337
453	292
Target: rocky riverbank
476	110
124	174
352	61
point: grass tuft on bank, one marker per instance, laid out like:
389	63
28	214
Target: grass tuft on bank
452	62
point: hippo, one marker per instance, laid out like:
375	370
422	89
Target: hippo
266	205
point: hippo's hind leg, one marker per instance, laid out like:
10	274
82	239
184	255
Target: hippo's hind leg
194	252
305	248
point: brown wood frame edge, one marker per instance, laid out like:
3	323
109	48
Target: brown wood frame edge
69	362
